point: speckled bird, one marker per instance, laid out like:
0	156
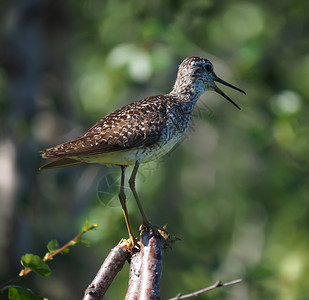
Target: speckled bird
142	131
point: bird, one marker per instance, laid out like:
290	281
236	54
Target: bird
142	131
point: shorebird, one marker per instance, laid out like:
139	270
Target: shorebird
142	131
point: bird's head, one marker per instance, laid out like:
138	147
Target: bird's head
200	72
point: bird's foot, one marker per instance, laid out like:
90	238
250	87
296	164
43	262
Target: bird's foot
161	231
156	229
132	243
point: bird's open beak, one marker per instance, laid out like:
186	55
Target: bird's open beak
229	85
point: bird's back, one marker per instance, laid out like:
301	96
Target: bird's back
150	127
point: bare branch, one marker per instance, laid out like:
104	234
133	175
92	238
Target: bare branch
145	268
134	277
151	265
109	269
204	290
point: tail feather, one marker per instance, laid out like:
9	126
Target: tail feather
60	162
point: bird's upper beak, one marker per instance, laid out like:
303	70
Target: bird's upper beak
216	78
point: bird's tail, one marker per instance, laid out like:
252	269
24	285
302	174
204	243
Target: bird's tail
60	162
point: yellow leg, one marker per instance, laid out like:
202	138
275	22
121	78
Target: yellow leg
146	223
132	187
122	197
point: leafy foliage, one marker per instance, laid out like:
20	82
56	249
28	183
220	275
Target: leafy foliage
34	263
19	293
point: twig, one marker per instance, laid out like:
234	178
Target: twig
204	290
109	269
50	255
9	282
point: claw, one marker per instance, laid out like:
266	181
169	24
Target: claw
155	228
130	244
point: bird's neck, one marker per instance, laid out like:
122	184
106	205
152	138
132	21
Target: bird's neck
188	90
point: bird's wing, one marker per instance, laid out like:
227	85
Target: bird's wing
138	124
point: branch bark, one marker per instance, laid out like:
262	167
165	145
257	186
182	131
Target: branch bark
146	267
109	269
145	271
134	277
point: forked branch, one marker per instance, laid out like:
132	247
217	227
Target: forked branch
145	271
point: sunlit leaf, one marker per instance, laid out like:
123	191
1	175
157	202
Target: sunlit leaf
20	293
86	227
52	246
35	263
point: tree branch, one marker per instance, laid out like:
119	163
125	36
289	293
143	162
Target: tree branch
145	268
109	269
145	271
204	290
49	255
152	253
134	277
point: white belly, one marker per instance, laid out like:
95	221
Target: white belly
130	156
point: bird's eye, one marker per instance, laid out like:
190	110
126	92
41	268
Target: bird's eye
208	68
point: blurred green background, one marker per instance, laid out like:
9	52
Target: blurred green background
236	191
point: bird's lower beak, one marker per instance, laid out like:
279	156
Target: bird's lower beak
229	85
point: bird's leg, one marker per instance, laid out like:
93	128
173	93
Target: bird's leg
146	222
132	187
122	197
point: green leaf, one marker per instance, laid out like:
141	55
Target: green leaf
84	242
53	246
20	293
36	264
86	227
65	250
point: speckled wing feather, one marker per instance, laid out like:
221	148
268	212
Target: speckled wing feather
135	125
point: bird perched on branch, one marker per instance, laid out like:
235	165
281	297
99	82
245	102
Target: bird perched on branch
142	131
